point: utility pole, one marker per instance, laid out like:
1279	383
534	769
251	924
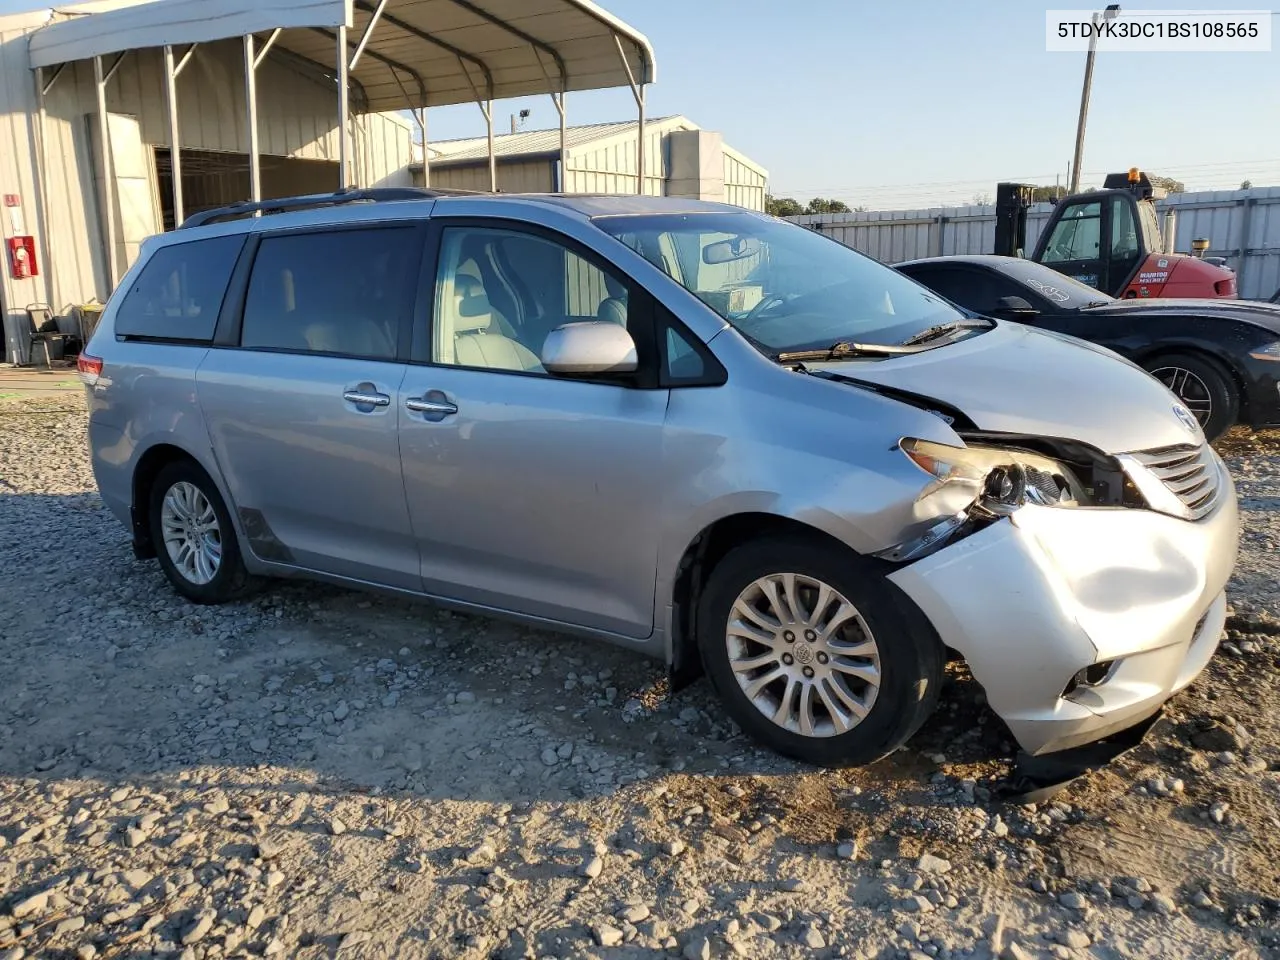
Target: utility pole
1109	14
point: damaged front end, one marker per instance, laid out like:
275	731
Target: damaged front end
996	474
1079	602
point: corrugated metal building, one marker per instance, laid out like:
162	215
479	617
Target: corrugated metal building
58	180
681	160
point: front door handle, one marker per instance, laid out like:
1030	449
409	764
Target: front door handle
433	403
366	398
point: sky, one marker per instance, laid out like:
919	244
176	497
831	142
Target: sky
927	102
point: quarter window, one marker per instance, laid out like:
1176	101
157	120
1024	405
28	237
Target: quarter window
344	292
178	294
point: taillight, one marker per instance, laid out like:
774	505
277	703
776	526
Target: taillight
89	369
1225	288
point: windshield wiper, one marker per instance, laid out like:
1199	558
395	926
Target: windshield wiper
846	349
942	329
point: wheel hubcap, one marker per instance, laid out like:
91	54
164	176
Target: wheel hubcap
191	534
1188	388
803	655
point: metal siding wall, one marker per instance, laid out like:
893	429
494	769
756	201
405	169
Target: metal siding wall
296	118
610	167
1241	225
71	261
530	176
743	186
296	114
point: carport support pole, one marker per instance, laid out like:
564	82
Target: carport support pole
108	186
175	145
251	101
493	163
558	100
426	160
637	91
640	140
344	112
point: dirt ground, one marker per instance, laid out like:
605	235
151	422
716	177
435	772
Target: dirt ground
317	772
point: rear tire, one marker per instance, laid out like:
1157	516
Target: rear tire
853	680
194	538
1204	388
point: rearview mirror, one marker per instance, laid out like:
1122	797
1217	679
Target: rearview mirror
1015	305
590	347
727	251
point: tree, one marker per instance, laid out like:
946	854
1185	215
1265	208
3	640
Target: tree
819	205
789	207
1246	185
782	206
981	199
1048	194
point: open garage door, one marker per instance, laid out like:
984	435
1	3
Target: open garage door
211	179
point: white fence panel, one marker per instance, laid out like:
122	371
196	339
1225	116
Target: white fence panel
1241	225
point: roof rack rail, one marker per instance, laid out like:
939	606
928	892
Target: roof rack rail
244	208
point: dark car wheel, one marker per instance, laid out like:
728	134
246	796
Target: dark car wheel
1203	387
194	539
812	656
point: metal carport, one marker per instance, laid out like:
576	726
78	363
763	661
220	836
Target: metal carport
396	54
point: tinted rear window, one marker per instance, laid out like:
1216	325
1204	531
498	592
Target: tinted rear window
346	292
178	294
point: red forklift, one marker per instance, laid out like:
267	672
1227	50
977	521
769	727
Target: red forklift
1110	239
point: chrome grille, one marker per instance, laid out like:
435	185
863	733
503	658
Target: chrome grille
1191	474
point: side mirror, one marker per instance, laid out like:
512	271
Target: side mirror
1015	305
590	347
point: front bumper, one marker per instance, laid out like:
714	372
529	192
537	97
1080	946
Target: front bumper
1033	599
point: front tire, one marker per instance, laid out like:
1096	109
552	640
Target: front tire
1203	387
194	538
811	653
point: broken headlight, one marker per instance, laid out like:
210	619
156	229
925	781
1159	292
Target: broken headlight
992	479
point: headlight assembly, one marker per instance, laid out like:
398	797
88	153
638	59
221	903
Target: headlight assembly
993	479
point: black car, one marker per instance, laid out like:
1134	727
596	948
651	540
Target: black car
1221	357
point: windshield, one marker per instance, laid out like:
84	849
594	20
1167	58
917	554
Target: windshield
785	287
1055	287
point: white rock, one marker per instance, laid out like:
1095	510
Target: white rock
607	935
699	948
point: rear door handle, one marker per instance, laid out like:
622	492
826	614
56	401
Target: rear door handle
432	405
367	398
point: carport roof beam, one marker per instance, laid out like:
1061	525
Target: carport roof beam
505	40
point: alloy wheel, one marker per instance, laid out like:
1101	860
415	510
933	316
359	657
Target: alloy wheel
803	655
191	534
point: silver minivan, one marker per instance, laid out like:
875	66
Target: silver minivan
682	427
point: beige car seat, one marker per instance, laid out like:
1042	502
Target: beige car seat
477	337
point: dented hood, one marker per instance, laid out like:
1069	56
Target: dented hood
1014	379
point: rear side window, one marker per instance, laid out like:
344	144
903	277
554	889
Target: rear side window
179	292
345	292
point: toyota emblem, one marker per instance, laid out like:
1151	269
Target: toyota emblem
1187	420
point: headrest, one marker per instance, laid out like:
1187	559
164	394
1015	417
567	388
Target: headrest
471	309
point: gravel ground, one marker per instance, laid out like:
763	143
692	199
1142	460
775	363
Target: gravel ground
316	773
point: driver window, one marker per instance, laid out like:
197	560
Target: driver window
500	293
1076	236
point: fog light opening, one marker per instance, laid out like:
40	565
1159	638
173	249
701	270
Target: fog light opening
1091	676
